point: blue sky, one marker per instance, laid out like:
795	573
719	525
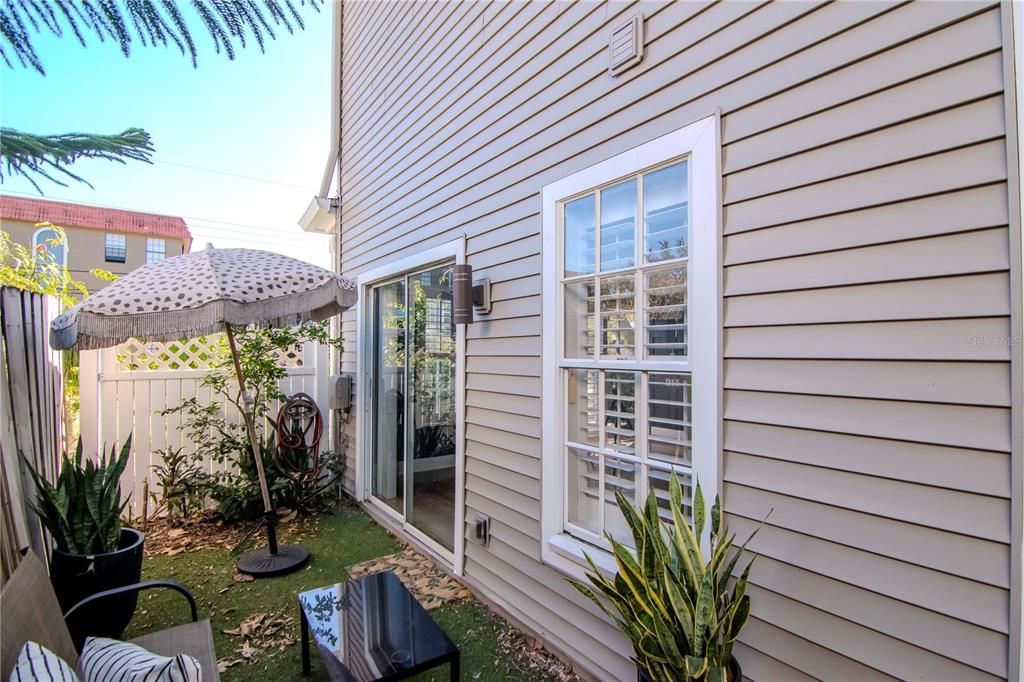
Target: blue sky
263	115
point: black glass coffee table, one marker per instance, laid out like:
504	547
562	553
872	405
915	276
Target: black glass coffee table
372	628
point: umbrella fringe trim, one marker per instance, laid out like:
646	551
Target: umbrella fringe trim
90	331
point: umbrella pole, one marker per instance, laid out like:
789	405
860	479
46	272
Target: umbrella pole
280	559
253	442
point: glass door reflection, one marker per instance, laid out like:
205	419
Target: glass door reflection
389	361
431	492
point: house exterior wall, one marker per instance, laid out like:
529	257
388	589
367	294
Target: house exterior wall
866	294
86	250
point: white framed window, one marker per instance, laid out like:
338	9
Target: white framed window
632	339
156	249
48	240
114	248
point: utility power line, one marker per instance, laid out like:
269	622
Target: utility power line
235	175
202	233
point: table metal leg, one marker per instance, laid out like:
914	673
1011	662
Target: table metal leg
305	641
453	666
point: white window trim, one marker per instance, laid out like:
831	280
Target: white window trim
35	237
452	250
700	142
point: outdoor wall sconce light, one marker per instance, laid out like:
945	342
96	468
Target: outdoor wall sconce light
468	295
462	294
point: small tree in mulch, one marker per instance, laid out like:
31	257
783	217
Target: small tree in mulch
235	488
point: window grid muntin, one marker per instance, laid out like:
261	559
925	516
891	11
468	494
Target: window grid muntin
678	328
640	363
115	248
640	457
156	249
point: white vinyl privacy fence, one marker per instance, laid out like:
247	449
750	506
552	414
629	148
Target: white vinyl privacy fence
123	390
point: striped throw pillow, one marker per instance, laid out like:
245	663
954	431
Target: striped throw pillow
108	660
36	662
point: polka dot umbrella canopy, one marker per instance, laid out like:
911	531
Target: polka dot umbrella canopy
198	293
202	293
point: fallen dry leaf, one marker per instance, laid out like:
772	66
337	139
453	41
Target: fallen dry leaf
224	664
263	632
526	653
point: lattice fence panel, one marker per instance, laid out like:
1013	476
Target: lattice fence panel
200	353
291	357
126	389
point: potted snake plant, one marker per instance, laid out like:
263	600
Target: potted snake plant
682	612
92	552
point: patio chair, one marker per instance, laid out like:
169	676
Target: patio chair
30	612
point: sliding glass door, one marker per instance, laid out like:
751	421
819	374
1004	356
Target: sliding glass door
413	417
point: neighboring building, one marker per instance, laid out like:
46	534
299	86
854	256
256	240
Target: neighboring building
106	238
781	252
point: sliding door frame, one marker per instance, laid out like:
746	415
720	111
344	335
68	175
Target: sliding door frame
454	250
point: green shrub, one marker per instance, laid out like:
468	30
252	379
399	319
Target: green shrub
236	489
183	484
294	481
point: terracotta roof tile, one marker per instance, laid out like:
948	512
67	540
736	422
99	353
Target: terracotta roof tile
111	219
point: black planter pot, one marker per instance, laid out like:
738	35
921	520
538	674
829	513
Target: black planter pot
77	576
735	672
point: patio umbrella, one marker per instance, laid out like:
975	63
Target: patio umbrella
202	293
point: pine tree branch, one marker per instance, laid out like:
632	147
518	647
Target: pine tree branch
147	22
46	156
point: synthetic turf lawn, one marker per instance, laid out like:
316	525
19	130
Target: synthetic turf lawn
343	538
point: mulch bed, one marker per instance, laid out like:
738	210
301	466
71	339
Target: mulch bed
529	654
202	532
209	531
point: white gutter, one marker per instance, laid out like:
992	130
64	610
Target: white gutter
332	159
321	214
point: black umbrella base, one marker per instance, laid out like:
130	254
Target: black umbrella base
263	564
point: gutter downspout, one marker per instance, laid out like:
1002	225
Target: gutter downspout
339	419
335	147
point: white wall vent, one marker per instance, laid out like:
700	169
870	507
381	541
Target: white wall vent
627	44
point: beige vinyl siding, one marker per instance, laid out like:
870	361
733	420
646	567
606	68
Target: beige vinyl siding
866	282
347	436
